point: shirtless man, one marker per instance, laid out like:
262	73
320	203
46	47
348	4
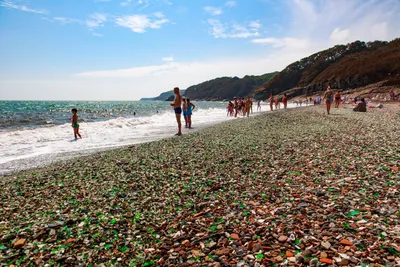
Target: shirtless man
177	108
247	107
235	106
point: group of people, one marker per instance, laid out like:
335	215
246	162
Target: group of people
360	105
277	102
241	107
182	105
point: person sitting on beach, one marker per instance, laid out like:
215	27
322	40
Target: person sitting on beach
328	99
361	107
184	109
177	109
284	101
75	124
337	99
190	108
271	101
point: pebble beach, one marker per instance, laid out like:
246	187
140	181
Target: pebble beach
285	188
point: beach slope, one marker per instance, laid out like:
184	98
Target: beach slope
295	186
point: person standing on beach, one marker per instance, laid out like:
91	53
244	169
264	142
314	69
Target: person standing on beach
184	109
75	124
259	105
190	108
271	101
337	99
284	101
328	99
235	106
177	109
247	107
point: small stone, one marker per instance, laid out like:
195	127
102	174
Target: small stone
249	257
211	245
279	259
299	258
289	254
235	236
344	262
344	256
282	238
346	242
292	259
224	251
325	260
325	244
186	243
20	243
256	247
324	255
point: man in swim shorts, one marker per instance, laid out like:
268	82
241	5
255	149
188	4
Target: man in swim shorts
177	108
328	99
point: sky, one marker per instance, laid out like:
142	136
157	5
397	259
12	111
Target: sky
129	49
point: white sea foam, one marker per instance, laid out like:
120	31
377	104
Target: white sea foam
29	148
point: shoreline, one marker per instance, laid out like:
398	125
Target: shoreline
42	160
271	188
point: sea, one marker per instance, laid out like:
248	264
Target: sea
37	133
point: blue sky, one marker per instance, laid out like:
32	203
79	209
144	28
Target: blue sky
128	49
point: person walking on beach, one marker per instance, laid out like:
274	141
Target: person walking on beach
75	124
247	107
177	109
259	105
271	102
190	108
184	109
284	101
337	99
235	106
277	104
328	99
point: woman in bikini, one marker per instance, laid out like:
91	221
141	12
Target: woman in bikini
328	99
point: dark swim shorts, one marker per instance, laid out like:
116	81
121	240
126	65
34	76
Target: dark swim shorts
178	110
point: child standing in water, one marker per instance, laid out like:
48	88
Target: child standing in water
75	124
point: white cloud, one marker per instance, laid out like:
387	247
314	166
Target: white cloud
291	43
13	5
64	20
220	30
214	11
341	21
139	23
96	20
230	3
168	59
127	2
339	36
97	34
